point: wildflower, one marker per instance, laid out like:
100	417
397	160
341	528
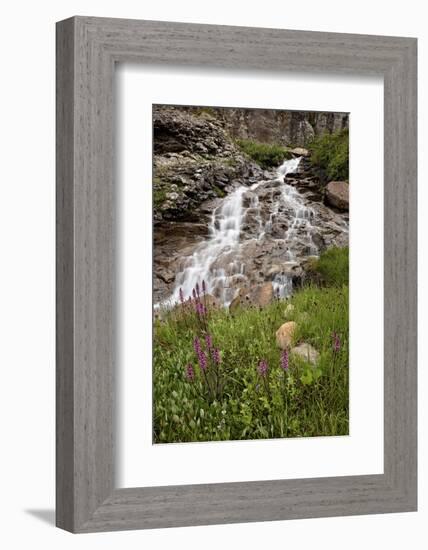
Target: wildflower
209	341
197	290
197	346
216	356
336	342
204	288
181	296
284	360
262	368
202	358
200	309
190	373
194	293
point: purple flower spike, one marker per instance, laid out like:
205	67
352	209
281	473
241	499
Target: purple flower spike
209	341
190	373
204	288
284	360
216	356
202	358
197	290
181	295
199	308
194	294
197	346
336	342
262	368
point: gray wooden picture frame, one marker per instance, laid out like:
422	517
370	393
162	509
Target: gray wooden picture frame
87	50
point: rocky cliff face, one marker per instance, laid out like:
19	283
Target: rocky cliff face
289	128
194	161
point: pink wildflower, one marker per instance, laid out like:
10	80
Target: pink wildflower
284	360
216	356
262	368
190	373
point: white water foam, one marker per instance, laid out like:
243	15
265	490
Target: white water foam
217	261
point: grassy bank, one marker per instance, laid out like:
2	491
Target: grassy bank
330	153
265	154
232	396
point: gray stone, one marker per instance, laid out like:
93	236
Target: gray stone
337	194
306	352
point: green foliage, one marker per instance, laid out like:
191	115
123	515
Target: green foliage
219	192
265	154
330	153
300	402
333	266
159	197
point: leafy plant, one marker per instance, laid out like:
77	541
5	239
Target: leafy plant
330	153
265	154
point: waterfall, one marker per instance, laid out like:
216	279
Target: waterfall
209	262
220	259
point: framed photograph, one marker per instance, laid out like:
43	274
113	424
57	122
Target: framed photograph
236	274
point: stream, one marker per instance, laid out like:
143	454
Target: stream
252	231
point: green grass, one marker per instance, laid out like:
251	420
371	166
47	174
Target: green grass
159	192
239	403
330	153
265	154
333	266
159	197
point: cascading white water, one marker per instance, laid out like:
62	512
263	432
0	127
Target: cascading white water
301	224
204	264
217	260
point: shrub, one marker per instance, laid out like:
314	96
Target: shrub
330	153
265	154
333	265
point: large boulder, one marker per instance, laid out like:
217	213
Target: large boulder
258	296
284	335
337	194
300	151
306	352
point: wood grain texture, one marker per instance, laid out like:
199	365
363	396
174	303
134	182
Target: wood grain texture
87	49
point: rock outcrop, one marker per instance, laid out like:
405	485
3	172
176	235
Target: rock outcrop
277	126
194	161
258	296
337	194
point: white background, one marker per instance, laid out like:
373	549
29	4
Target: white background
27	273
362	451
